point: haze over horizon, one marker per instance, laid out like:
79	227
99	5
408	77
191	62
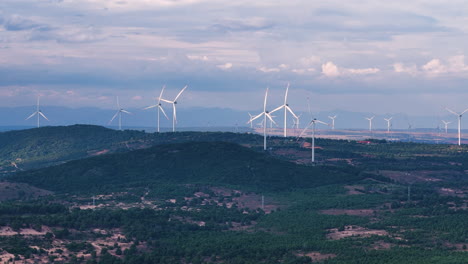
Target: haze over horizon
370	57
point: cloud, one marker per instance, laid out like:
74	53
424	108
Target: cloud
225	66
329	69
453	65
401	68
364	71
19	23
267	70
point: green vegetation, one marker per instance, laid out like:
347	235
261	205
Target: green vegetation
197	198
194	162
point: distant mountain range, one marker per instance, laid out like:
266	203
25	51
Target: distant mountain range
208	119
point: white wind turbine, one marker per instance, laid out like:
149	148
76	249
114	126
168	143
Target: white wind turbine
265	115
39	113
370	122
312	123
459	115
159	106
286	109
446	125
250	118
389	123
333	121
174	110
119	112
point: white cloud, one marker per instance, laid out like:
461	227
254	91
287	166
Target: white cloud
330	69
265	69
225	66
401	68
364	71
434	67
454	65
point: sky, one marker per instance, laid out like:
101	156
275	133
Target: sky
363	56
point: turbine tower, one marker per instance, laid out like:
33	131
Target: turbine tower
312	123
459	115
119	112
389	123
38	113
446	125
286	109
265	115
159	106
370	122
333	121
174	110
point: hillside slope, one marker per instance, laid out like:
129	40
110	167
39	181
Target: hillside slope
45	146
194	162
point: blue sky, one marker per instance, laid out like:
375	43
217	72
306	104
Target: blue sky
364	56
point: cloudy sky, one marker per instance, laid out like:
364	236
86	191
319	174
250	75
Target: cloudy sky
369	56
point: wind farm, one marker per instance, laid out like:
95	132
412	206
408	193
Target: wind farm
233	132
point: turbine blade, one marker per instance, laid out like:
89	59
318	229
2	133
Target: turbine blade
164	113
265	102
276	109
33	114
451	111
112	119
160	95
464	112
307	127
125	111
291	111
43	116
286	94
149	107
167	101
318	121
255	117
183	89
271	118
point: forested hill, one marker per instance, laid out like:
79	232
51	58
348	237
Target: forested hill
45	146
194	162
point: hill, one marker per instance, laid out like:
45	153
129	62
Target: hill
193	162
45	146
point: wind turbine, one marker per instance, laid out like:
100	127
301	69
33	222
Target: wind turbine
370	122
38	112
159	106
119	112
286	109
265	115
174	110
446	125
333	121
312	123
459	115
250	118
389	124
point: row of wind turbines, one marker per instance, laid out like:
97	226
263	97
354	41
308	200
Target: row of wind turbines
267	115
121	110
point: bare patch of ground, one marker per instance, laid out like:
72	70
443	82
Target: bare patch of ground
413	176
13	191
381	245
315	256
354	189
354	231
